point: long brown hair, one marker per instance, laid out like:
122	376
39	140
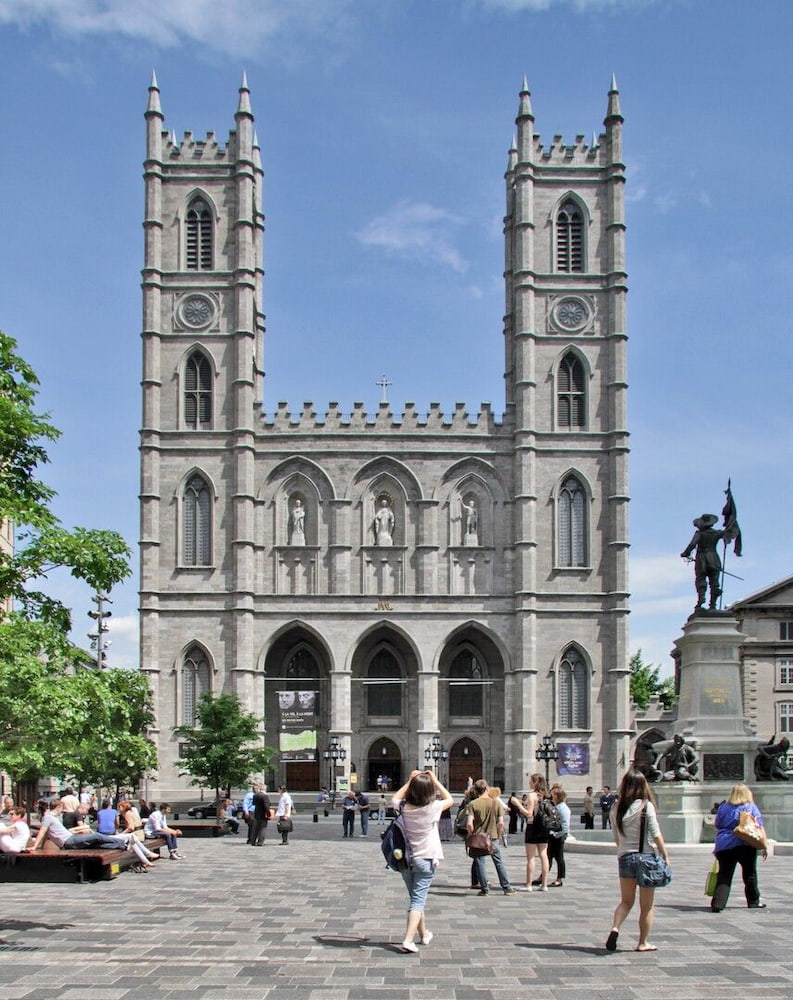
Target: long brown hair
634	785
421	790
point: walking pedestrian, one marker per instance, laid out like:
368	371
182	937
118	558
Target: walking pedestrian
486	815
730	851
634	800
283	814
557	838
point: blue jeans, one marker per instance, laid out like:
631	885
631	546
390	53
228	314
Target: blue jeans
418	879
80	841
501	870
364	820
348	822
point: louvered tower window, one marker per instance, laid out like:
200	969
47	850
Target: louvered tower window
572	523
199	236
384	699
466	695
198	392
570	239
573	694
196	527
195	682
570	392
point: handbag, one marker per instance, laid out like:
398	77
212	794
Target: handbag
749	831
652	872
710	881
284	825
480	845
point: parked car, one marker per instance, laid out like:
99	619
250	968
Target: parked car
209	810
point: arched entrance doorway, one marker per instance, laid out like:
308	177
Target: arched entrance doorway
465	761
384	761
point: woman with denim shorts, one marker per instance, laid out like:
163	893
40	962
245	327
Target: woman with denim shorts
425	799
633	799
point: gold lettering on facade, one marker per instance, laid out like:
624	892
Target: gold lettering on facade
384	605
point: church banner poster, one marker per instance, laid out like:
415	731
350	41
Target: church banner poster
573	758
298	734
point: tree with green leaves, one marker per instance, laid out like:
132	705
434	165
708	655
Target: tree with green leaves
99	557
45	712
222	751
646	683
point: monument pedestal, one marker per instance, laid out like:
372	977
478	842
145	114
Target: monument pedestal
711	718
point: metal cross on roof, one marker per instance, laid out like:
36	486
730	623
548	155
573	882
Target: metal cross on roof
383	383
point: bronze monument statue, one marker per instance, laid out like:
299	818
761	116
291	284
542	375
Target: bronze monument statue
769	764
707	564
680	762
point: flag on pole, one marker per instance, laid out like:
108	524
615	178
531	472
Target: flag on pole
732	530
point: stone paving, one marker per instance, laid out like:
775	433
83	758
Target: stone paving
322	918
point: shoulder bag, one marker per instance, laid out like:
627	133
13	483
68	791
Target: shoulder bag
653	872
749	831
480	844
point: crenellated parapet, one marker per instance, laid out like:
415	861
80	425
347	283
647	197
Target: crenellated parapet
384	420
190	149
577	154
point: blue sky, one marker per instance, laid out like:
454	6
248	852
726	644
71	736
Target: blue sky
384	129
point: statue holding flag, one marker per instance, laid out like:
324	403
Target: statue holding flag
708	568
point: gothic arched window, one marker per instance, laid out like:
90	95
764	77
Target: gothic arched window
198	392
195	682
384	699
570	238
465	685
302	666
198	236
196	526
570	393
573	691
572	521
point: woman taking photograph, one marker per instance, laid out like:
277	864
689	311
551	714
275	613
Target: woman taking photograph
731	851
633	800
424	799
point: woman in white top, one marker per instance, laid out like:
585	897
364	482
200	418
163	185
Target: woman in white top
633	799
14	837
425	799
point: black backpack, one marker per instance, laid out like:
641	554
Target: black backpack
395	848
461	821
547	818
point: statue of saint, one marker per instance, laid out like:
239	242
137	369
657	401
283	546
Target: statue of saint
384	524
707	564
298	536
769	764
471	522
680	762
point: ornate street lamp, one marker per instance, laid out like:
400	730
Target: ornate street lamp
546	752
434	752
335	753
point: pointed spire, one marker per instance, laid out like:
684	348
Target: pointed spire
512	157
256	140
594	140
154	95
524	111
613	113
244	106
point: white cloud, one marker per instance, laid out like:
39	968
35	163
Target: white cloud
236	27
416	230
657	576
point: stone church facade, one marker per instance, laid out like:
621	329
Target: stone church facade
456	576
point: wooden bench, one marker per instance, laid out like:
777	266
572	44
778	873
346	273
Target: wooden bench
200	827
48	865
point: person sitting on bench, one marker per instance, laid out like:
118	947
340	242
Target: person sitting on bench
84	839
15	836
157	826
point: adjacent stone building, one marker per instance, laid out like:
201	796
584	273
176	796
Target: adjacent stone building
460	576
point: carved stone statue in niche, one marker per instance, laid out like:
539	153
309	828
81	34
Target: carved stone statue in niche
298	523
470	522
384	524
